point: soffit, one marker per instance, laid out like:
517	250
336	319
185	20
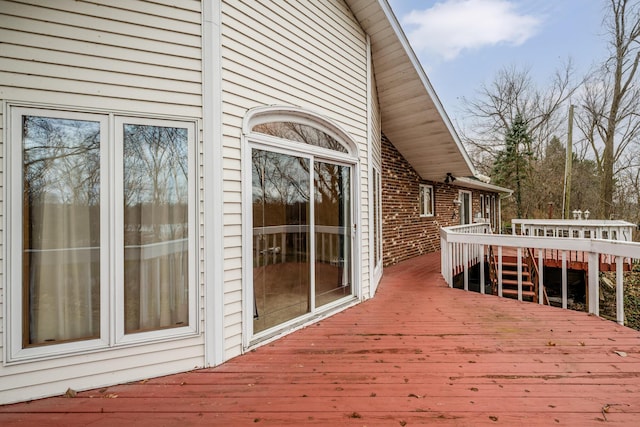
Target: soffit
412	116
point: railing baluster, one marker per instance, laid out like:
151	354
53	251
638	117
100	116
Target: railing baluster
564	279
465	260
594	284
619	290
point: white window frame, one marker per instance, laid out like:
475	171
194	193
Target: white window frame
426	211
255	140
376	229
146	336
111	258
13	234
469	212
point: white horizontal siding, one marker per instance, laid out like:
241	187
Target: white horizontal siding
105	24
34	380
83	52
284	52
376	160
133	57
376	137
75	52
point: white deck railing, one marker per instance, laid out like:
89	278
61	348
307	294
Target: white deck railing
270	243
463	247
579	229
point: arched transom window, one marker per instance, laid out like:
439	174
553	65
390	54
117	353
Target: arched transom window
300	132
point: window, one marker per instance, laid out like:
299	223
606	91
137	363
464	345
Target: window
426	200
465	206
300	132
102	218
300	193
377	219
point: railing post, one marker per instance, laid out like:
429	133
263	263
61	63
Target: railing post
443	256
482	269
519	273
540	277
500	271
450	264
564	279
619	290
594	284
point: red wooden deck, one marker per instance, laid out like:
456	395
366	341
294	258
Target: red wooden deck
418	353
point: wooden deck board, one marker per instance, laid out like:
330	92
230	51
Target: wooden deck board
418	353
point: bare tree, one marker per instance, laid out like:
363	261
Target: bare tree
610	103
513	94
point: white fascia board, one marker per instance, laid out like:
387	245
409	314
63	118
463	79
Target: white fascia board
395	25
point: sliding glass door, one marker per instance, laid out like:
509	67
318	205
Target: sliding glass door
302	249
332	228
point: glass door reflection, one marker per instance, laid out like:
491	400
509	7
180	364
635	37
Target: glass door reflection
332	228
281	270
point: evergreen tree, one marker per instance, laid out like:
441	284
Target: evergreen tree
513	164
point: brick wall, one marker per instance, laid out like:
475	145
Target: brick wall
405	234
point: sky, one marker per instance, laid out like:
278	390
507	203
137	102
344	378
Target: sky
462	44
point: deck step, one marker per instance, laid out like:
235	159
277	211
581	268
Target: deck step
514	293
525	273
514	282
510	275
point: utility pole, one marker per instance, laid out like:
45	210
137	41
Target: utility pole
567	168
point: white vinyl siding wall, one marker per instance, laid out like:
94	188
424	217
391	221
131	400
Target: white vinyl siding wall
132	57
376	131
376	160
306	54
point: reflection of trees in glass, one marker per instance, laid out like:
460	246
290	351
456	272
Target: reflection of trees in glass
61	229
61	166
330	187
279	179
300	133
156	227
155	182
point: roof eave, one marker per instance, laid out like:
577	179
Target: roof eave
480	185
413	117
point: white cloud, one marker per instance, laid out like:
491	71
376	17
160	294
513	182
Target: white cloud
450	27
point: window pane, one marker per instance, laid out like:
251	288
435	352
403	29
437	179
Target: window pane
155	227
426	200
465	207
376	218
332	232
300	133
281	272
61	229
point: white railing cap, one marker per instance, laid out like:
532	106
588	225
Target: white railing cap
574	222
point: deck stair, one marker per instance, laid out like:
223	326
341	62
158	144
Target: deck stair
510	281
529	276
